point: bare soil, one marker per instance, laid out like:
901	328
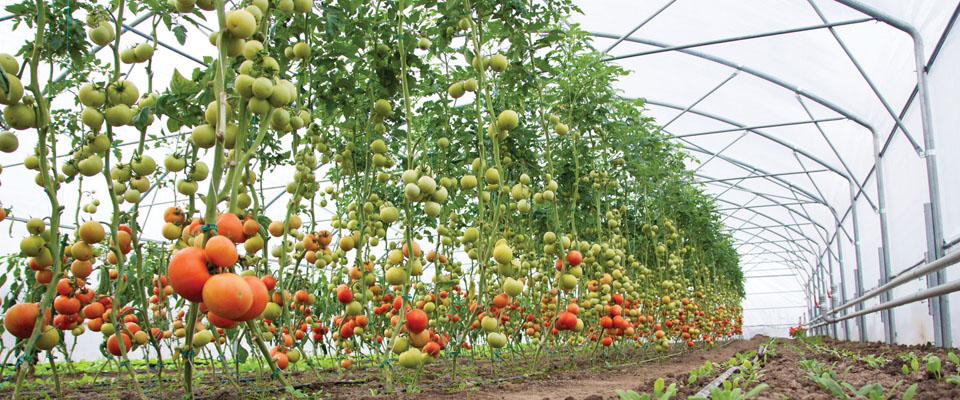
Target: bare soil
788	380
560	377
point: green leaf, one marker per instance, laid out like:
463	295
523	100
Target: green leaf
658	386
181	85
631	395
933	365
756	390
911	391
4	84
242	354
142	117
180	32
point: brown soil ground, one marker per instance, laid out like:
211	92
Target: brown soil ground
562	377
788	380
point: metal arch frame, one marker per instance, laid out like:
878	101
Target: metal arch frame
807	217
754	131
781	235
789	240
829	105
753	170
792	264
784	235
850	179
933	180
795	261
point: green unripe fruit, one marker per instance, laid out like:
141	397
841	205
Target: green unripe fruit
31	246
508	120
354	308
202	338
244	85
412	191
389	215
92	118
143	52
31	162
491	176
241	24
9	63
423	43
396	276
456	90
144	166
379	146
100	144
262	88
426	184
471	234
20	116
101	35
128	56
468	182
91	166
568	282
496	340
382	108
119	115
400	345
90	96
204	136
8	142
498	63
432	209
502	253
470	85
489	324
186	188
411	358
272	311
301	50
174	164
512	287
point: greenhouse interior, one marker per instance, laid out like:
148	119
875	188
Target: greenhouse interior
482	199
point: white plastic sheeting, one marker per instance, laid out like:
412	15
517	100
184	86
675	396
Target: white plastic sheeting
783	222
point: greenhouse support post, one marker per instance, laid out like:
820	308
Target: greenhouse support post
886	315
884	250
843	283
858	277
